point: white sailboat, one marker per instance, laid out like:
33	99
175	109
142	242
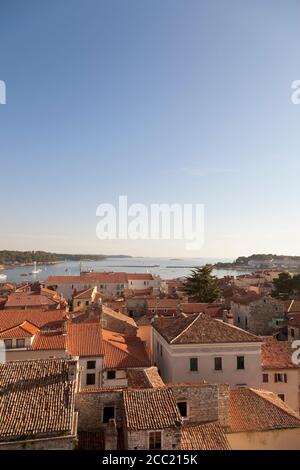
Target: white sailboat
35	270
3	277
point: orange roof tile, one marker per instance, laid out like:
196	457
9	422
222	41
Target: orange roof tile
209	436
49	341
150	409
200	329
37	317
277	354
84	339
259	410
36	399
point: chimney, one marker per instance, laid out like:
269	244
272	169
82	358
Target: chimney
223	405
111	435
228	317
72	370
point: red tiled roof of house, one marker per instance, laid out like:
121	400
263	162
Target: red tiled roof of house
144	378
209	436
37	317
29	299
213	310
24	330
259	410
277	354
292	306
50	340
200	329
122	352
84	339
118	315
105	277
162	304
36	399
140	276
150	409
85	293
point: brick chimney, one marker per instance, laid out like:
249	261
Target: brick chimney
228	317
111	435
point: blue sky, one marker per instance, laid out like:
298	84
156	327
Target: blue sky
163	101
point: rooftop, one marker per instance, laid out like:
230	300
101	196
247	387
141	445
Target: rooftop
259	410
200	329
36	399
40	318
150	409
209	436
277	354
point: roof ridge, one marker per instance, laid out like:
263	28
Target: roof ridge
285	408
185	329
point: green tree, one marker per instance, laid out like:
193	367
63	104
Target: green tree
285	286
201	285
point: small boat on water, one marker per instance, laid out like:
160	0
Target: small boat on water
3	277
35	270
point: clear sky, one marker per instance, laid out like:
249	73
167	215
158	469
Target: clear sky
185	101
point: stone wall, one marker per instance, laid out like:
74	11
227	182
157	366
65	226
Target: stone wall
202	401
139	440
54	443
90	407
112	323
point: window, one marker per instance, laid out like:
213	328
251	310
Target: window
265	378
239	320
281	396
280	378
78	303
90	379
292	332
218	363
240	362
87	302
108	413
161	350
182	406
155	440
21	343
111	374
91	365
193	364
246	322
8	343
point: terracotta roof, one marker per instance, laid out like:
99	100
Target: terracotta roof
200	328
84	339
29	299
119	316
247	298
105	277
24	330
259	410
277	354
50	340
208	436
292	306
85	294
37	317
163	303
140	276
144	378
150	409
36	399
122	352
213	310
